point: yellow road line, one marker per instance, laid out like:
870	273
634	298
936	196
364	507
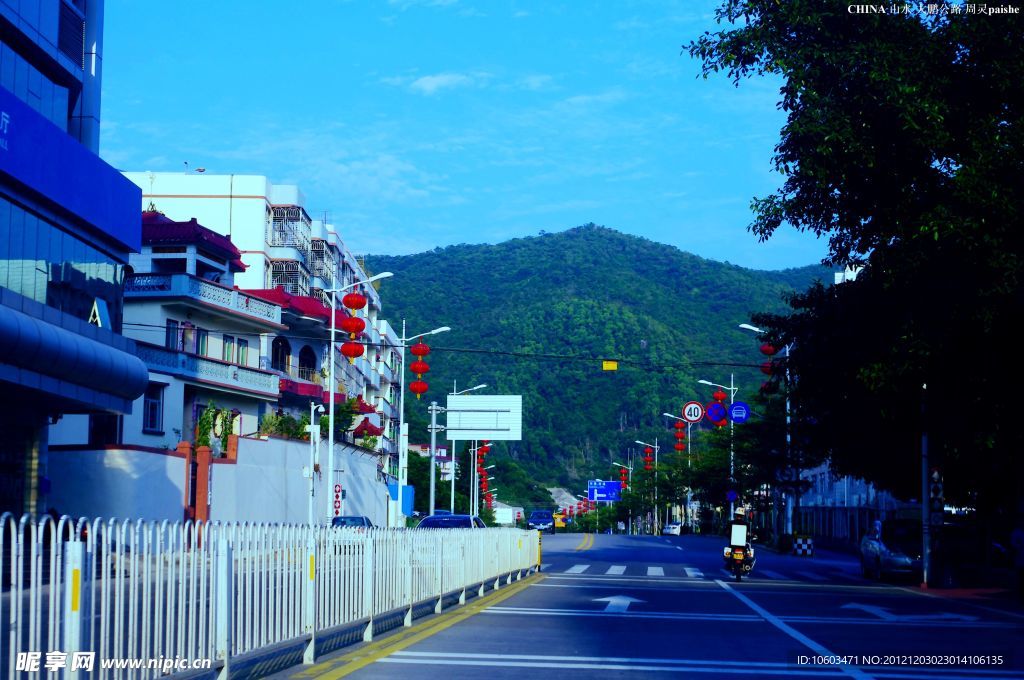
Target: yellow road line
586	544
367	654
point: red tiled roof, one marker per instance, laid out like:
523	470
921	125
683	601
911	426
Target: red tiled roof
158	229
302	305
367	429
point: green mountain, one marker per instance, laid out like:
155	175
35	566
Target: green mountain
535	316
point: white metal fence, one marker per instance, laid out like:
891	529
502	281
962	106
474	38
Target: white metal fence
159	590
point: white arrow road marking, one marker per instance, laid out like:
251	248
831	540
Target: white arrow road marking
886	615
616	569
655	571
577	569
617	603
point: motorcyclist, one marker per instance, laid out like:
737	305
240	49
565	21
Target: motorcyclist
740	537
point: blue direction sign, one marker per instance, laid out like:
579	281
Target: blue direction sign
601	490
739	412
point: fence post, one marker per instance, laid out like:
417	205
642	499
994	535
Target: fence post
410	542
224	588
309	590
438	570
76	589
368	586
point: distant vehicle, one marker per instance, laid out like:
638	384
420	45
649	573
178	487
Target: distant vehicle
672	529
450	521
350	521
541	520
897	550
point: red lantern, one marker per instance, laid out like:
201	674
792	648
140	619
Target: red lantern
679	446
623	484
353	325
679	425
418	387
354	300
352	350
484	450
767	367
419	368
568	511
420	349
768	349
648	467
648	450
680	434
719	395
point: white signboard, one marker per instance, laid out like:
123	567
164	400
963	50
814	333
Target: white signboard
494	417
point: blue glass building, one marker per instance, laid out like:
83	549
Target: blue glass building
67	224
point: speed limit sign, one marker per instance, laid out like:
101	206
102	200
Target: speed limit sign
693	411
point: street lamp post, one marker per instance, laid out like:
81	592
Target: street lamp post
403	434
789	433
689	443
655	447
732	432
475	491
630	468
332	387
454	393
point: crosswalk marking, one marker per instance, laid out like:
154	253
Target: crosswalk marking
577	569
775	574
811	575
655	571
694	573
616	569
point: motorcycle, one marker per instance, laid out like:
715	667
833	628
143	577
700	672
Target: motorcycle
739	560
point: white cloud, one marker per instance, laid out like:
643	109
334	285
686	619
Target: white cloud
430	85
536	82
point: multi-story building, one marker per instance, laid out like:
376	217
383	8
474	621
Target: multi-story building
68	222
294	261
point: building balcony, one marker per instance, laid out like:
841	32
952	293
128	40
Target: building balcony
387	373
200	293
298	388
210	372
387	445
389	411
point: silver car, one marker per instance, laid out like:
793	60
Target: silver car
672	529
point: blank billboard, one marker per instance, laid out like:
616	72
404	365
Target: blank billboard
494	417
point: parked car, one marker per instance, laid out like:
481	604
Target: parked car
449	521
541	520
350	521
894	550
672	529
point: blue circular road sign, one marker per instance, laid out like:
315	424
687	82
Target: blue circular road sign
739	412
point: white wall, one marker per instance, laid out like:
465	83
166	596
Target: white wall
117	483
266	485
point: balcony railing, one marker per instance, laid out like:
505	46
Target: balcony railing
185	285
387	445
192	367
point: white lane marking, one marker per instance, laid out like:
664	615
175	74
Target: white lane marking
675	668
616	570
679	547
792	632
748	618
655	571
694	573
811	575
544	567
577	569
617	604
776	575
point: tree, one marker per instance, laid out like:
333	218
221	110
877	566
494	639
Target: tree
903	146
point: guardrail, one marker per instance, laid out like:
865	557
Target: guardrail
126	589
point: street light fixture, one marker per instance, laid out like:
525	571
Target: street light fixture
454	393
630	468
656	448
788	526
332	386
732	431
403	437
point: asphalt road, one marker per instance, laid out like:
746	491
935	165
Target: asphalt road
642	606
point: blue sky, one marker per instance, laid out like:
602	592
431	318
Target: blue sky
425	123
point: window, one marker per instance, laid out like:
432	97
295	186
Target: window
171	339
202	342
229	348
188	338
280	355
243	352
104	429
153	409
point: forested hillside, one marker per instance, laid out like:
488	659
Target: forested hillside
535	316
